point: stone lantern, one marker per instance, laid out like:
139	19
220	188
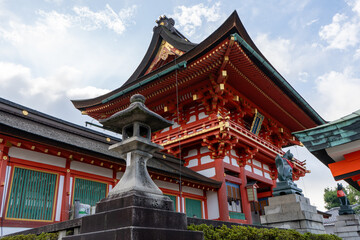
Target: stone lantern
135	208
136	123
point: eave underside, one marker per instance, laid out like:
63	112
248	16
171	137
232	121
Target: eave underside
326	160
242	73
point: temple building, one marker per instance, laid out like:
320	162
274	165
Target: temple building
232	114
47	163
337	145
232	110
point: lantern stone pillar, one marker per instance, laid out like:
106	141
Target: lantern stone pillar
135	208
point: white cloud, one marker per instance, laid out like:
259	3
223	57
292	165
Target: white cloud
65	82
277	51
355	4
338	93
303	76
91	20
312	22
54	1
10	72
50	27
342	32
191	18
86	92
50	42
53	26
357	54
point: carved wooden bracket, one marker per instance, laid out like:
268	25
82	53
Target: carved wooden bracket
245	154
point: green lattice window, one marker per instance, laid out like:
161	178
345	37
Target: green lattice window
89	192
32	195
193	208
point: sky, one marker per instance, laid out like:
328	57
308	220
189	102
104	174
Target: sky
52	51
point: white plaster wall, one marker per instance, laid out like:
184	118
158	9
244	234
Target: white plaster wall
195	191
59	198
266	167
193	163
83	167
266	175
248	168
203	209
70	191
6	188
234	162
37	157
167	185
192	119
226	159
202	115
178	204
233	152
256	163
191	153
258	172
206	159
212	205
204	150
183	204
207	172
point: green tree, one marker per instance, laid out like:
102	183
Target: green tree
331	200
353	195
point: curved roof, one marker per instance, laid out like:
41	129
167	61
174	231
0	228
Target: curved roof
231	27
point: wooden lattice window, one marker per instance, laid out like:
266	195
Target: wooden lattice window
32	195
89	192
233	197
193	208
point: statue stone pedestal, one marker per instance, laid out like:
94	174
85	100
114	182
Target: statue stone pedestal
347	227
286	187
293	211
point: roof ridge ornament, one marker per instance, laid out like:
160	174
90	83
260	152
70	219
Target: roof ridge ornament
165	21
169	24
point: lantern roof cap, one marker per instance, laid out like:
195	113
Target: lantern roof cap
136	112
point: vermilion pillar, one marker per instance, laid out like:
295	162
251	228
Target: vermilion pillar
4	160
244	198
222	196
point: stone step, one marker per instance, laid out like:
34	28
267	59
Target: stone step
139	233
289	207
291	216
290	198
133	216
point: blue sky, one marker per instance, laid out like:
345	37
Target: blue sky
52	51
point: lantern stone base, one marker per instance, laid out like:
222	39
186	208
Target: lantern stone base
347	227
135	216
293	211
